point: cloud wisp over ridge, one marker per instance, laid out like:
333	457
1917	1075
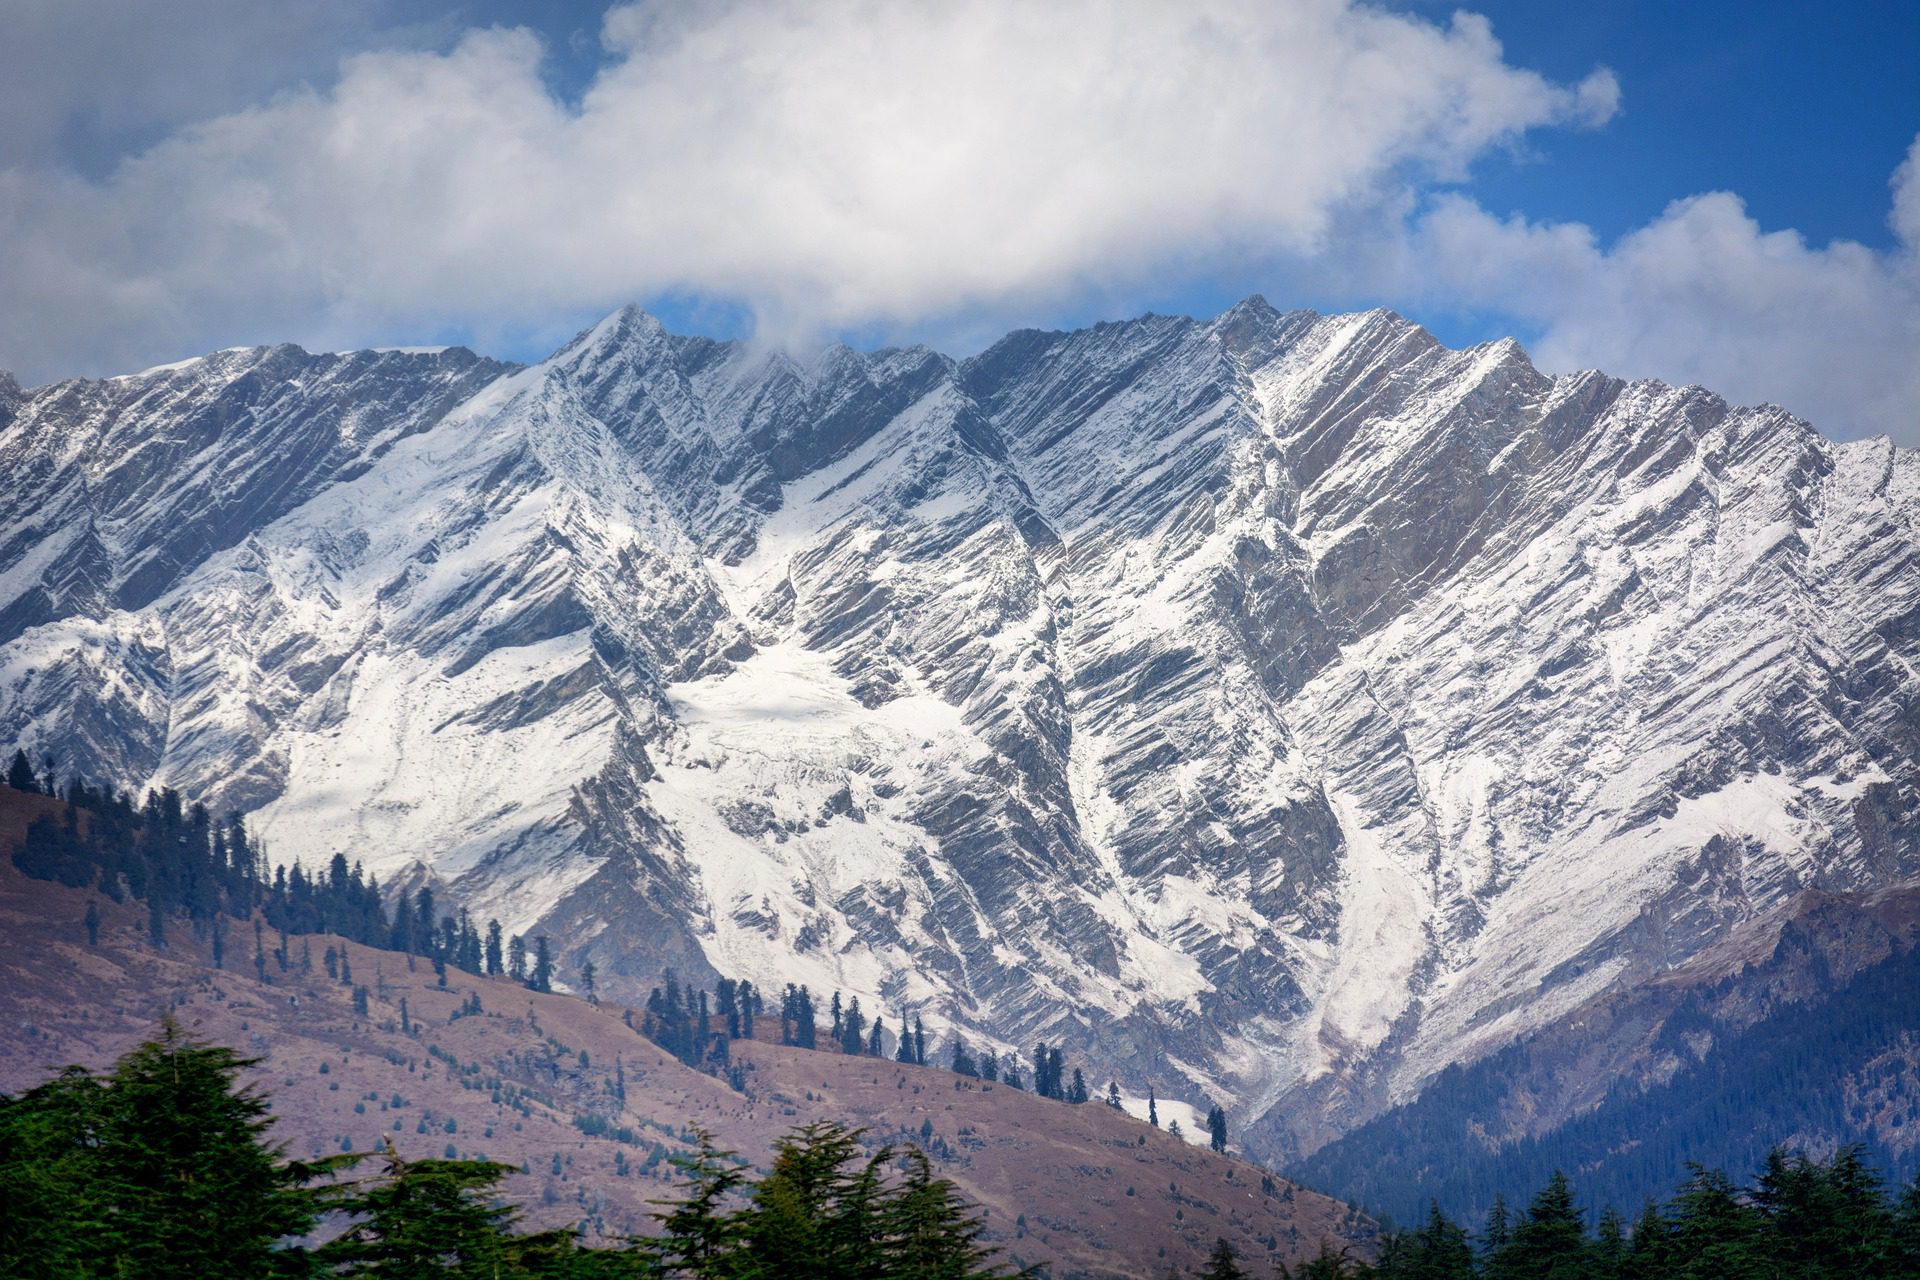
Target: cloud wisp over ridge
851	165
844	163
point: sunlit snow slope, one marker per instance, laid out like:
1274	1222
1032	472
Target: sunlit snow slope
1276	708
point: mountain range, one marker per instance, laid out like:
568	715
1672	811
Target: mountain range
1278	709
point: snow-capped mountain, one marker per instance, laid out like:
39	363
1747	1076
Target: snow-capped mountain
1277	708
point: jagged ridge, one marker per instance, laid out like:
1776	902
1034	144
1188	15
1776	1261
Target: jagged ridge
1277	707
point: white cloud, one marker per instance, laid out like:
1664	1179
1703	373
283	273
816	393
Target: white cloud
827	162
1704	294
81	77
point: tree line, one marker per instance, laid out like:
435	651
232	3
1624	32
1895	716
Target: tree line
179	860
699	1032
162	1168
1838	1067
1807	1219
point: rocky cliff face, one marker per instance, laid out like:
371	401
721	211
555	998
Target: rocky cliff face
1277	708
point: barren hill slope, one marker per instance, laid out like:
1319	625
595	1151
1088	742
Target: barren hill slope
536	1079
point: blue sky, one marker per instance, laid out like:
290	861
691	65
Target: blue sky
1702	192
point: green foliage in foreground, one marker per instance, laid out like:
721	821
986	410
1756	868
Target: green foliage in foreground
162	1169
1801	1219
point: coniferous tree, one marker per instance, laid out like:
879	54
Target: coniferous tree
1153	1108
427	1219
1495	1233
962	1063
495	964
749	997
905	1051
182	1153
1906	1228
1077	1092
698	1236
1217	1129
1550	1242
51	1188
1608	1256
852	1024
1650	1247
541	979
20	773
1438	1251
807	1034
1113	1094
1712	1228
876	1045
587	986
92	922
929	1231
919	1041
517	958
1221	1263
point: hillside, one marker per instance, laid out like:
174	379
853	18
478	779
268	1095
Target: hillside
1083	1189
1799	1030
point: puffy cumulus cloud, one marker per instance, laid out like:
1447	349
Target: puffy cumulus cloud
1703	294
829	163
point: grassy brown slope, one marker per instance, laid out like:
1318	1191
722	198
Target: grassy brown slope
512	1083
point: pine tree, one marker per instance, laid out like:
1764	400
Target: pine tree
183	1156
1496	1232
517	959
1438	1251
541	979
1113	1094
1906	1228
1221	1263
929	1231
427	1219
494	963
1608	1258
1549	1242
92	922
876	1046
1153	1108
20	773
961	1062
53	1197
1217	1129
587	985
919	1041
1077	1093
1713	1229
851	1024
698	1237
